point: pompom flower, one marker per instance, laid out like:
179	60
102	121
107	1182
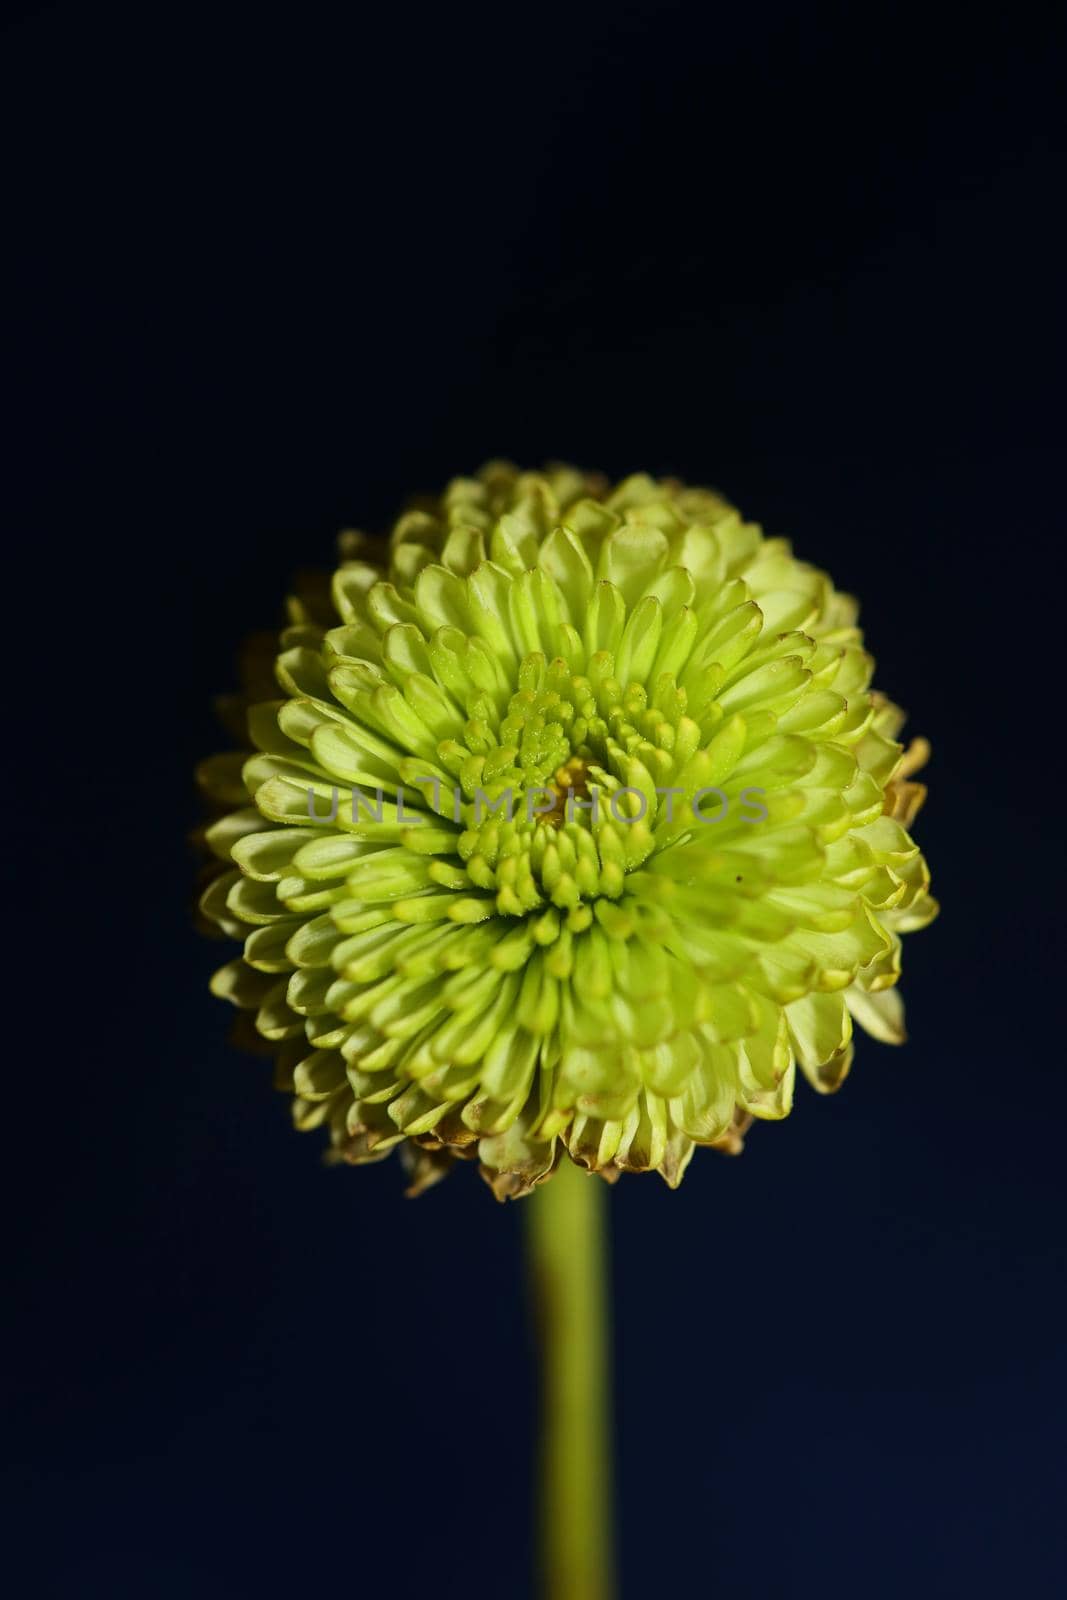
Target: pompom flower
576	827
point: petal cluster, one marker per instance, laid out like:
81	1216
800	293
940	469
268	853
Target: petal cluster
572	827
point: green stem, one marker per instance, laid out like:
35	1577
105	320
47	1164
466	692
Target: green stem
569	1269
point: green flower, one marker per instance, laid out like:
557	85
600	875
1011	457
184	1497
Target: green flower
703	880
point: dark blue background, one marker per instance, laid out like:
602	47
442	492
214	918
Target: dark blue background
268	272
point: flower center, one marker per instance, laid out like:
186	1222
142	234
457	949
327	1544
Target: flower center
570	783
544	824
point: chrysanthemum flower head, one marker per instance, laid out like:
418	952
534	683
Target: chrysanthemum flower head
574	828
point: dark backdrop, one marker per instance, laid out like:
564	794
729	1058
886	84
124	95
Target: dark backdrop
267	272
